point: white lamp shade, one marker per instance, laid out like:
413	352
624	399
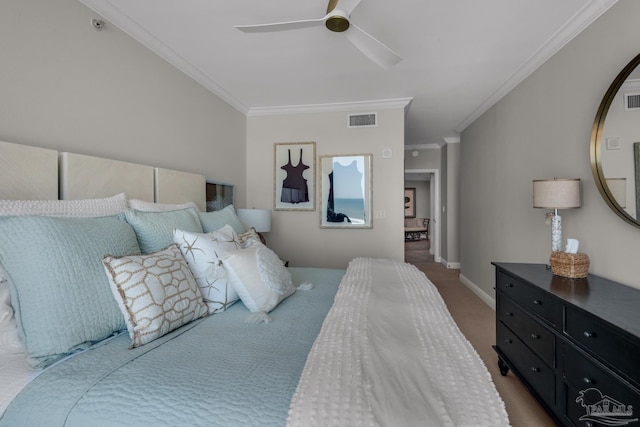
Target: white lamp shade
618	189
260	219
556	193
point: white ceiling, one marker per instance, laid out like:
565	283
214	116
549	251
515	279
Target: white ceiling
459	56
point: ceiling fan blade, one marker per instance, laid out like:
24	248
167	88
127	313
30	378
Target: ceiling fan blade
348	5
281	26
376	51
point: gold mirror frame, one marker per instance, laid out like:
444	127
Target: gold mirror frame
596	143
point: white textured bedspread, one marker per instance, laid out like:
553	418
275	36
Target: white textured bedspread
390	354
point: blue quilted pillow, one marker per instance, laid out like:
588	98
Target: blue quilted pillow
213	221
59	291
155	229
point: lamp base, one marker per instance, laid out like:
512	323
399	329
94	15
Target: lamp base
556	232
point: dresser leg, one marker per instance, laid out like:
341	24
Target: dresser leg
504	369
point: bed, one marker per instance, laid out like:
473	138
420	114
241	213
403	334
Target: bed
152	312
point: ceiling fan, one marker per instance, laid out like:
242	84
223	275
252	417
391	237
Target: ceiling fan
336	20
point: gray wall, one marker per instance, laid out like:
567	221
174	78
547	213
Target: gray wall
428	158
296	235
542	129
65	86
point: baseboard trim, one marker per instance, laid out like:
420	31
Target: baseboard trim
479	292
450	265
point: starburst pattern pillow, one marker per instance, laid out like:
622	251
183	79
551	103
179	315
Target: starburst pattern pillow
202	252
156	293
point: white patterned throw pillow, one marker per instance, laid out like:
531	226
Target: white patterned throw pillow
202	252
259	277
156	293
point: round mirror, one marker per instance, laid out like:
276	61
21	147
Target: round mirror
615	144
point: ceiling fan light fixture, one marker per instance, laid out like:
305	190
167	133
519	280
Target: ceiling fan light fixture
337	23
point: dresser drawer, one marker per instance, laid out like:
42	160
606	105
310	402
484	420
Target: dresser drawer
536	374
533	334
594	394
530	297
612	346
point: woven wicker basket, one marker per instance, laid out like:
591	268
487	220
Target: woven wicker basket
569	265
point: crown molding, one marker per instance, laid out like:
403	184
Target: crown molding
332	107
121	20
433	145
581	20
423	147
117	17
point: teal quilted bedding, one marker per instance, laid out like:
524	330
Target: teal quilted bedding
218	371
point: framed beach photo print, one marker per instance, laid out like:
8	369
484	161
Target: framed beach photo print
295	169
345	194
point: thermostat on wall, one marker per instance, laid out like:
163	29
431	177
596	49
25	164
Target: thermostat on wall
613	143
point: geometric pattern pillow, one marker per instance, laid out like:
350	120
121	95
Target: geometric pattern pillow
156	293
249	238
202	252
259	277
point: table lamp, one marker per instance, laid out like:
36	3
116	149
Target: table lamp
556	194
258	219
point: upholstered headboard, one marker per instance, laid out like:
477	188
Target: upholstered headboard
180	187
28	173
86	177
31	173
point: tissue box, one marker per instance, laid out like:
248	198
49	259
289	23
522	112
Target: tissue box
574	266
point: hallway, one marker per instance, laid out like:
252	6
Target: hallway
417	251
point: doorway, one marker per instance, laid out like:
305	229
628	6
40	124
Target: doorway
421	250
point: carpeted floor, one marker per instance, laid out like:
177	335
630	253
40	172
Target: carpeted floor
476	320
416	251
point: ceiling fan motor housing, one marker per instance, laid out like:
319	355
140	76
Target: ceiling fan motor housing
337	23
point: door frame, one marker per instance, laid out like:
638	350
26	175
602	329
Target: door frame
434	225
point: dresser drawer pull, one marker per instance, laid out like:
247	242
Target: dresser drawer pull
537	302
508	341
535	369
535	336
589	334
587	380
508	285
508	314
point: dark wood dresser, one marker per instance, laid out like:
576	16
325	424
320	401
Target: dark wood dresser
575	343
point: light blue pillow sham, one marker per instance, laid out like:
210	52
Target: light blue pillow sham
213	221
155	229
59	291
